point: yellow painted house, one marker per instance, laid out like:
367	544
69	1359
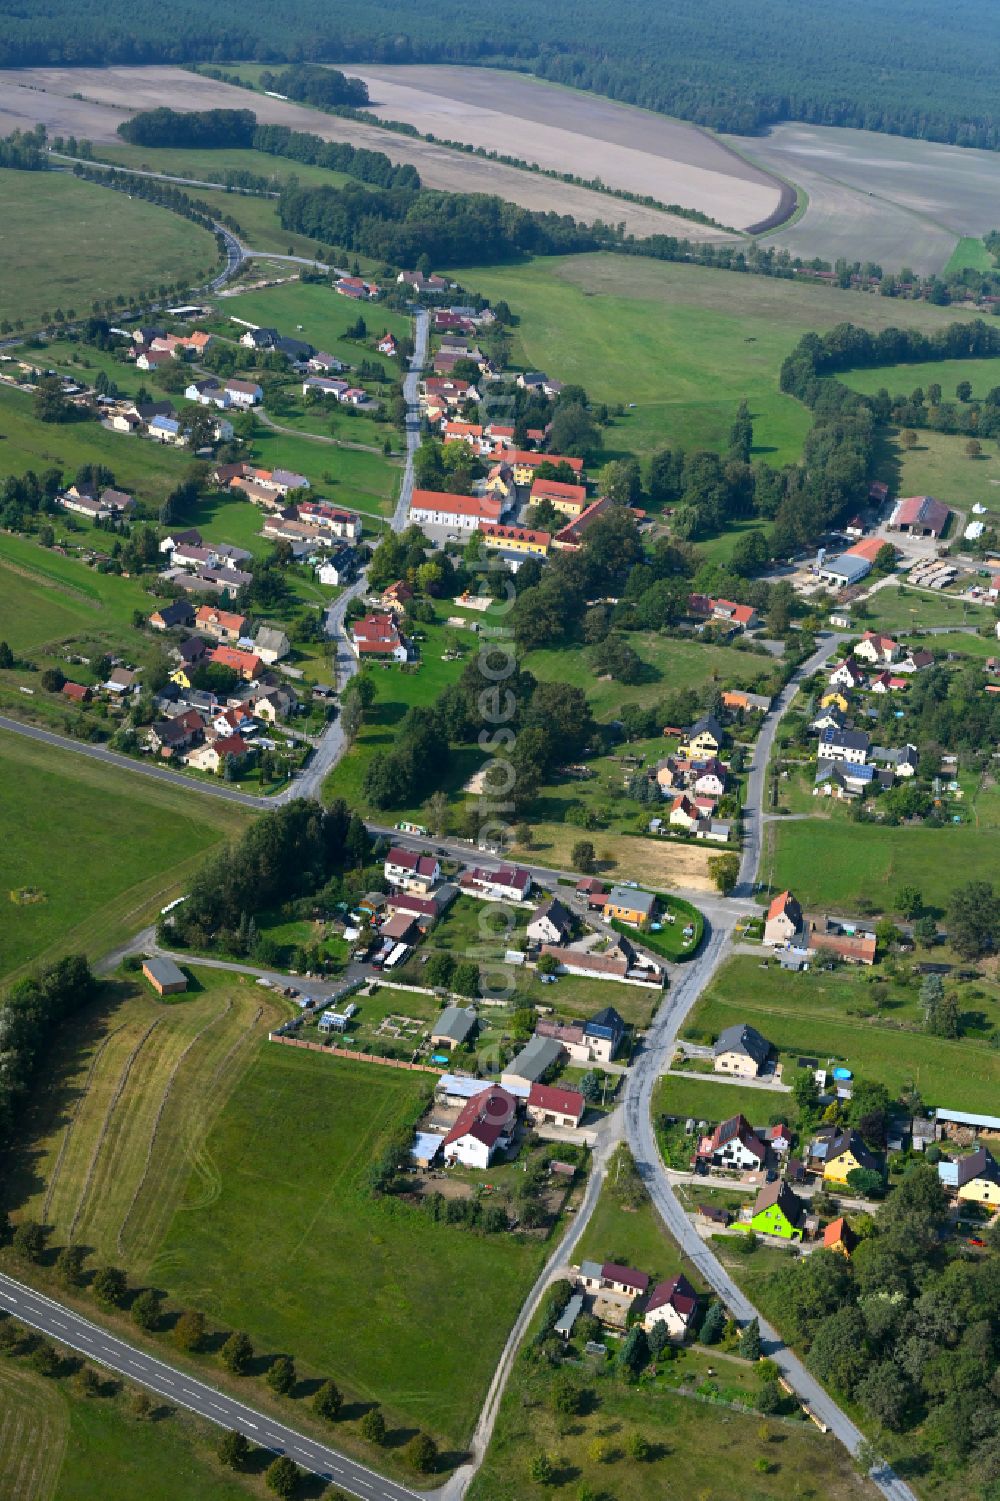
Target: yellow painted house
180	677
629	905
974	1179
519	539
837	698
704	739
840	1153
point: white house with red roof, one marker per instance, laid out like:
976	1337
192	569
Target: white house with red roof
674	1304
461	513
376	636
733	1144
846	675
550	1106
511	883
485	1126
878	649
408	870
783	921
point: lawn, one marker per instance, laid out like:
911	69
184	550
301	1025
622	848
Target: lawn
833	864
134	844
632	1237
148	470
706	1099
900	607
345	476
802	1014
67	243
983	374
84	361
56	1445
685	343
671	664
248	1221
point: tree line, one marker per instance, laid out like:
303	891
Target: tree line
30	1014
190	127
25	150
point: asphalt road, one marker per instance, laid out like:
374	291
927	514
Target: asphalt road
179	1389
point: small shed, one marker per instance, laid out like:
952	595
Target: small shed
564	1324
166	977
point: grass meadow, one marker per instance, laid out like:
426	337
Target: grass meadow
67	243
833	1016
905	608
312	311
211	164
56	1445
903	378
106	850
685	343
282	1201
148	470
702	1096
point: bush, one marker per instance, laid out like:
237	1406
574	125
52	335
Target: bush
372	1426
328	1401
237	1353
422	1454
281	1375
147	1309
109	1286
29	1241
44	1359
69	1265
234	1450
282	1477
189	1332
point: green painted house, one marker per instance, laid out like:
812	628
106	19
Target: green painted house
778	1211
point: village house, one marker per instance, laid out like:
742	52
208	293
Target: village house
485	1126
846	674
212	757
275	704
345	524
271	645
779	1211
538	1056
673	1304
740	1051
549	1106
877	649
568	500
455	1024
705	738
834	1153
520	541
169	617
723	612
550	923
245	664
902	760
244	393
221	625
629	905
838	1236
78	693
511	883
974	1179
376	636
733	1144
848	942
683	813
411	871
844	745
843	779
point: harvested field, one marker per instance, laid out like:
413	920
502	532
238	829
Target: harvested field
564	130
668	866
33	95
882	198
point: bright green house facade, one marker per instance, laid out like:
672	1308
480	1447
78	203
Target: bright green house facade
778	1211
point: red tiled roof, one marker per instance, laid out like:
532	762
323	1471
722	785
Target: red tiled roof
500	533
612	1272
781	904
554	489
562	1101
457	505
529	457
678	1293
487	1116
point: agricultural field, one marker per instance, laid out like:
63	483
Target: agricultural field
148	470
564	130
119	245
245	1221
135	842
811	1014
685	343
46	95
897	201
57	1445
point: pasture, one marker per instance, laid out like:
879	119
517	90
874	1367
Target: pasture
118	245
248	1220
685	343
939	465
32	95
564	130
901	379
902	607
56	1445
802	1014
211	165
132	844
312	311
893	200
148	470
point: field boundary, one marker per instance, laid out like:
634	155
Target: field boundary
320	1047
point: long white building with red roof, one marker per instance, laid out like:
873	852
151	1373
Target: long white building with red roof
461	513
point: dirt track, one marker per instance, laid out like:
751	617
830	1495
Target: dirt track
568	131
34	95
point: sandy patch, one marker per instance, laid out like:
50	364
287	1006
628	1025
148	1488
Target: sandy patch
567	131
34	95
668	866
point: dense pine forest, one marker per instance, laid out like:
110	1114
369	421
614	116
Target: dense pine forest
909	67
